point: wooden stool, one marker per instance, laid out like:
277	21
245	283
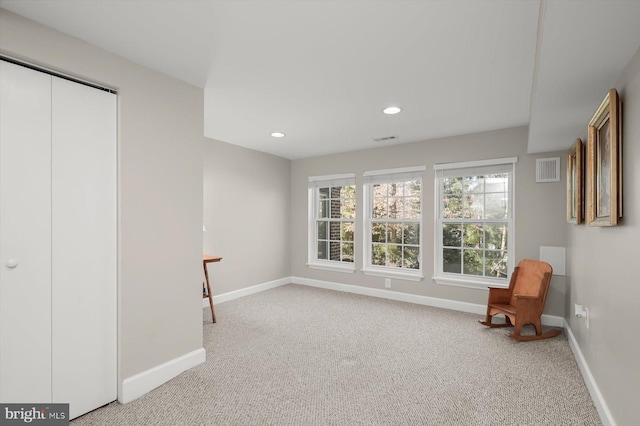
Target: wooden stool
206	291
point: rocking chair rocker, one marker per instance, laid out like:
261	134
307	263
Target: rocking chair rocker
523	302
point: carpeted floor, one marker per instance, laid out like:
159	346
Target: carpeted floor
297	355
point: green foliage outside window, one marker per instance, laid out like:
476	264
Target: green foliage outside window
474	232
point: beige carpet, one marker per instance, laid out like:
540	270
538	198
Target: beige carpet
296	355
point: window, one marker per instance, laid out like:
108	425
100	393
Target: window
392	229
474	222
332	215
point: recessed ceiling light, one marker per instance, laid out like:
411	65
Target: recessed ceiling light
391	110
278	135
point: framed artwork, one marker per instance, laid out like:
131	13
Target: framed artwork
575	184
604	164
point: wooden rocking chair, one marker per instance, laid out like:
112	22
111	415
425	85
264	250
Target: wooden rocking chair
523	302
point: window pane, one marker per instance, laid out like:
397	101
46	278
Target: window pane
451	260
394	233
347	252
349	208
411	258
394	255
394	189
496	264
452	235
322	230
400	188
411	233
322	250
334	250
495	236
412	188
336	208
395	208
323	208
452	207
474	184
412	208
348	191
323	193
473	262
473	235
378	254
347	231
497	183
378	233
380	190
379	208
334	231
496	206
453	187
474	206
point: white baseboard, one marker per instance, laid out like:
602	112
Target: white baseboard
135	386
455	305
594	391
225	297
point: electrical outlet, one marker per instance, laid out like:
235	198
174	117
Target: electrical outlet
387	283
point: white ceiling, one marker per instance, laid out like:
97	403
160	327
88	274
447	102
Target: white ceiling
322	71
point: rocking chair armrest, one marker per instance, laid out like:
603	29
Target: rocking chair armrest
523	297
499	295
528	307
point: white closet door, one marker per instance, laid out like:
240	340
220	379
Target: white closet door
25	235
84	246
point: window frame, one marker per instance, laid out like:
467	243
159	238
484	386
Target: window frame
388	176
314	184
466	169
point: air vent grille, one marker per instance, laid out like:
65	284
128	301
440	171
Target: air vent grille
385	138
548	169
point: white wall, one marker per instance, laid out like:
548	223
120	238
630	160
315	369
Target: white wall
602	274
540	208
160	125
246	214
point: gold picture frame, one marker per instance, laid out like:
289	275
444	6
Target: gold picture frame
575	183
604	165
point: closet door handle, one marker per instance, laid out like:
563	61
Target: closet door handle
12	263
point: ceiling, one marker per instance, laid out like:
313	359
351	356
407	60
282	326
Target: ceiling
322	71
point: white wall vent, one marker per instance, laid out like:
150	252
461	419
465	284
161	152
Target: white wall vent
548	169
385	138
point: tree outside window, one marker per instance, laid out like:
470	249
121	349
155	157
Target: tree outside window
393	223
474	222
474	225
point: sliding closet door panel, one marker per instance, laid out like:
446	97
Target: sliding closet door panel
25	234
84	246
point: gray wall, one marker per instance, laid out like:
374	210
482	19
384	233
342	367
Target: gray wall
159	190
160	216
540	208
246	214
602	274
